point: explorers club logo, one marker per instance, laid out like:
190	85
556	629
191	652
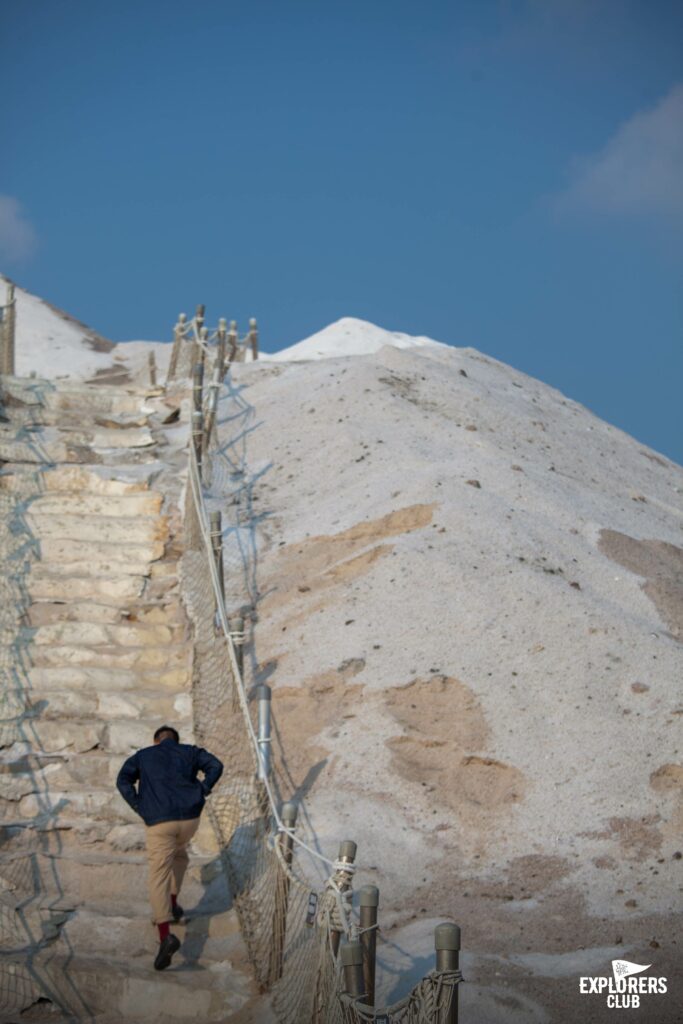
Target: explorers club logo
624	991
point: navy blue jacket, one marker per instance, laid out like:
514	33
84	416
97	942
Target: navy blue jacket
168	789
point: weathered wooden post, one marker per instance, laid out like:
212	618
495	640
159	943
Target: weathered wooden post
347	855
8	328
232	342
288	815
447	946
369	902
216	534
352	963
263	695
152	363
178	339
253	338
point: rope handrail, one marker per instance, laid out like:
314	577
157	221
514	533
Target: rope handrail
222	613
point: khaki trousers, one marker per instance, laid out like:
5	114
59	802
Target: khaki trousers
167	859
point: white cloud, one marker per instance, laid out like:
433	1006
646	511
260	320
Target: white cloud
18	238
639	170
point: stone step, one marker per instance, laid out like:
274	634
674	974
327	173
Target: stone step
89	527
102	705
98	400
143	659
122	990
145	503
96	634
116	736
45	585
54	550
73	480
102	566
169	613
93	678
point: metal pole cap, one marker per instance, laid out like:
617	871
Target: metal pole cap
289	812
262	692
351	954
369	896
447	936
347	850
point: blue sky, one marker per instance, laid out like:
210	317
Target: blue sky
502	175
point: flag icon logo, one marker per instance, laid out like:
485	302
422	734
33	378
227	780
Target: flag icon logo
624	968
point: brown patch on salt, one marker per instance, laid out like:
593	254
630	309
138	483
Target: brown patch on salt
440	708
667	778
318	563
445	722
302	712
660	563
638	838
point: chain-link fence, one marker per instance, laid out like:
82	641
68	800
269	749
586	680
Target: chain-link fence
294	904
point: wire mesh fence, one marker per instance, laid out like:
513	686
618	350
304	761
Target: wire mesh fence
294	904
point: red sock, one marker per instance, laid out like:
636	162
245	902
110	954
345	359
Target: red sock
164	929
174	901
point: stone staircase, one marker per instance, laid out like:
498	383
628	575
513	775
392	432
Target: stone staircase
94	656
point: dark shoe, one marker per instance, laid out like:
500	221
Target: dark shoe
178	912
169	946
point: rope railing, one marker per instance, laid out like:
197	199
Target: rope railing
307	947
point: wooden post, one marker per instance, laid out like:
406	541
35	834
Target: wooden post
216	533
288	815
447	946
178	339
369	902
232	342
352	962
347	855
253	338
152	363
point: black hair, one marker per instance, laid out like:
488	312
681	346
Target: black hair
169	729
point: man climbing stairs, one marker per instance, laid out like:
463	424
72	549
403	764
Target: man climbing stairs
95	655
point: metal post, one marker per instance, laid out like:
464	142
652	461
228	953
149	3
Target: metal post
216	533
178	338
198	387
8	332
221	343
352	962
253	338
236	624
199	317
447	946
263	695
211	406
369	902
152	363
232	342
197	432
347	855
288	814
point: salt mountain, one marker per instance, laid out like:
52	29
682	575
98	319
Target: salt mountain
470	609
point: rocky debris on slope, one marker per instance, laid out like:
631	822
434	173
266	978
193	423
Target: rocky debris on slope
479	683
